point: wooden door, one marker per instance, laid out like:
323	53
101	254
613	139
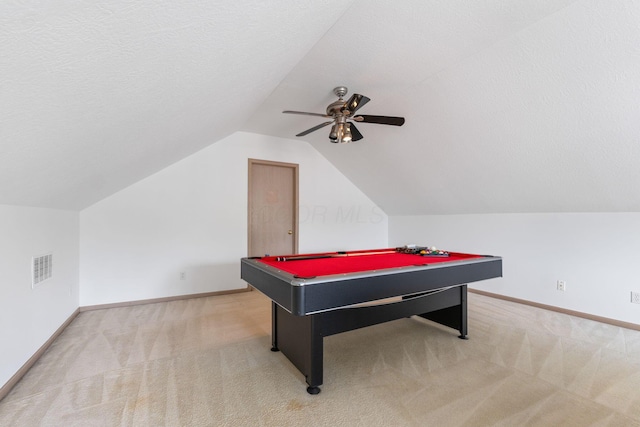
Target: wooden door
273	208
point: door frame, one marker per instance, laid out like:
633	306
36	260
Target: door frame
295	168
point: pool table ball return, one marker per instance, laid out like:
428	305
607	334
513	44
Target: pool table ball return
322	294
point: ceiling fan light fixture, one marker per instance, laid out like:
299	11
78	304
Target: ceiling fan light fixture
333	134
340	133
346	136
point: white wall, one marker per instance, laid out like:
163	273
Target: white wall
28	317
597	254
192	217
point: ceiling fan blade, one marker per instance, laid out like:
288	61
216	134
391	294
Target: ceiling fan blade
356	102
383	120
305	113
355	133
315	128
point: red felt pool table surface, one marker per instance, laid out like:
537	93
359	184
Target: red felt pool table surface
330	263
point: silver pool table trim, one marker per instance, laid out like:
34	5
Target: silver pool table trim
301	281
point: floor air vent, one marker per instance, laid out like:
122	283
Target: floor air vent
42	269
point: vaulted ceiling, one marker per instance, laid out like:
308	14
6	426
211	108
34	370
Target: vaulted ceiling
510	105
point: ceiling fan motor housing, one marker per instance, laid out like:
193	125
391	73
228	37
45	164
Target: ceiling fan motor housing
335	108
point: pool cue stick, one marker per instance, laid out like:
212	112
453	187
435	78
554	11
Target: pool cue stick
373	253
336	255
302	258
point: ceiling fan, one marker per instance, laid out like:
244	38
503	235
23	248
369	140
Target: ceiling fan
342	117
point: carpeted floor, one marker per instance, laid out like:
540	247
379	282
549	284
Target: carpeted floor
206	362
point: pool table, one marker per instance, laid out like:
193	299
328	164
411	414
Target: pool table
322	294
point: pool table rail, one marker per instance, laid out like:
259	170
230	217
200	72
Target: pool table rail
304	296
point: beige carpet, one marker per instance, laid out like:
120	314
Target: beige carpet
206	362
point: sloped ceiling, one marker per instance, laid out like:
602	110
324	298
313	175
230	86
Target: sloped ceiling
97	95
510	105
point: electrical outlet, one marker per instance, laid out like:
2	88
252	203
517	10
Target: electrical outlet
635	297
561	285
183	275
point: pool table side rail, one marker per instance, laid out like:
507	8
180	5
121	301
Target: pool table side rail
308	296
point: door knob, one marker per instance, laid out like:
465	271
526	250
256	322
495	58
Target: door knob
290	232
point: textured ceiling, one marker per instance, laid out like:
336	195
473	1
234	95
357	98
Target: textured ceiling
510	105
97	95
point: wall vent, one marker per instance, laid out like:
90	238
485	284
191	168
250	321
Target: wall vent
42	269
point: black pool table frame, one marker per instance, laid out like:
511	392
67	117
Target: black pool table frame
305	310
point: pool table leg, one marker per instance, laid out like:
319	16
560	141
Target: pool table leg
274	329
463	313
454	316
300	339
